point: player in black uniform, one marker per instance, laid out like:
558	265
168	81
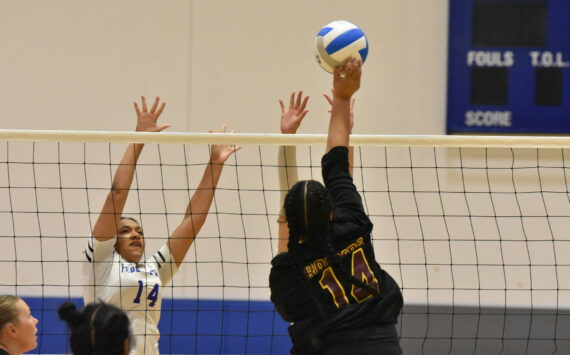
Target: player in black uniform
328	284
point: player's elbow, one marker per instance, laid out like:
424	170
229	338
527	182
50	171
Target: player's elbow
119	191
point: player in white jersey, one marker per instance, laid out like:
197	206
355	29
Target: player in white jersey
114	271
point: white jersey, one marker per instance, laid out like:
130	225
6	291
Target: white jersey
135	288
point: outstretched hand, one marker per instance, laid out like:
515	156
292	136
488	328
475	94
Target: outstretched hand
147	119
221	152
347	79
291	118
330	101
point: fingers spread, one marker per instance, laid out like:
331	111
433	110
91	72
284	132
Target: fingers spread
349	68
356	66
337	73
160	109
154	105
143	100
137	109
304	103
299	96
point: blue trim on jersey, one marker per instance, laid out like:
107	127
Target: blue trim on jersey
344	40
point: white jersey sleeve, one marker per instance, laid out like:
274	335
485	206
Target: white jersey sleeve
167	267
99	259
100	250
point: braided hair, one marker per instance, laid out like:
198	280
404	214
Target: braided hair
308	209
97	329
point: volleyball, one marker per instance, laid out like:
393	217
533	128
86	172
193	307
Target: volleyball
338	41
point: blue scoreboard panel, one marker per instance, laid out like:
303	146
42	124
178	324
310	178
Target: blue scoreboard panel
508	66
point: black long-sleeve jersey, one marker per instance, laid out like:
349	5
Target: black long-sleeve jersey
354	315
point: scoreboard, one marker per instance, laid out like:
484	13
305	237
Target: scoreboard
508	66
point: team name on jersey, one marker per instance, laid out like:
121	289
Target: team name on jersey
314	268
131	269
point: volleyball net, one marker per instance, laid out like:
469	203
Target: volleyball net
475	230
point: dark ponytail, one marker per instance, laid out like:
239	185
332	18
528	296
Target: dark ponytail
98	328
307	208
297	207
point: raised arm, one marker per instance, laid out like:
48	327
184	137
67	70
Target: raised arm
108	220
346	203
351	148
199	205
345	83
287	159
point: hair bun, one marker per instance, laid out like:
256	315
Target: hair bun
68	313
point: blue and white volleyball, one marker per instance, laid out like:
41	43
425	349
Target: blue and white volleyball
338	41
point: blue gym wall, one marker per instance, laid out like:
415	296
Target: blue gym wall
187	327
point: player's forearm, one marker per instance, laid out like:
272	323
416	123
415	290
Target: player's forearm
283	242
287	173
196	213
204	195
106	225
339	125
126	170
287	161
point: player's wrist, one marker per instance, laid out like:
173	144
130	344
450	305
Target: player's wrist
217	161
342	97
288	130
